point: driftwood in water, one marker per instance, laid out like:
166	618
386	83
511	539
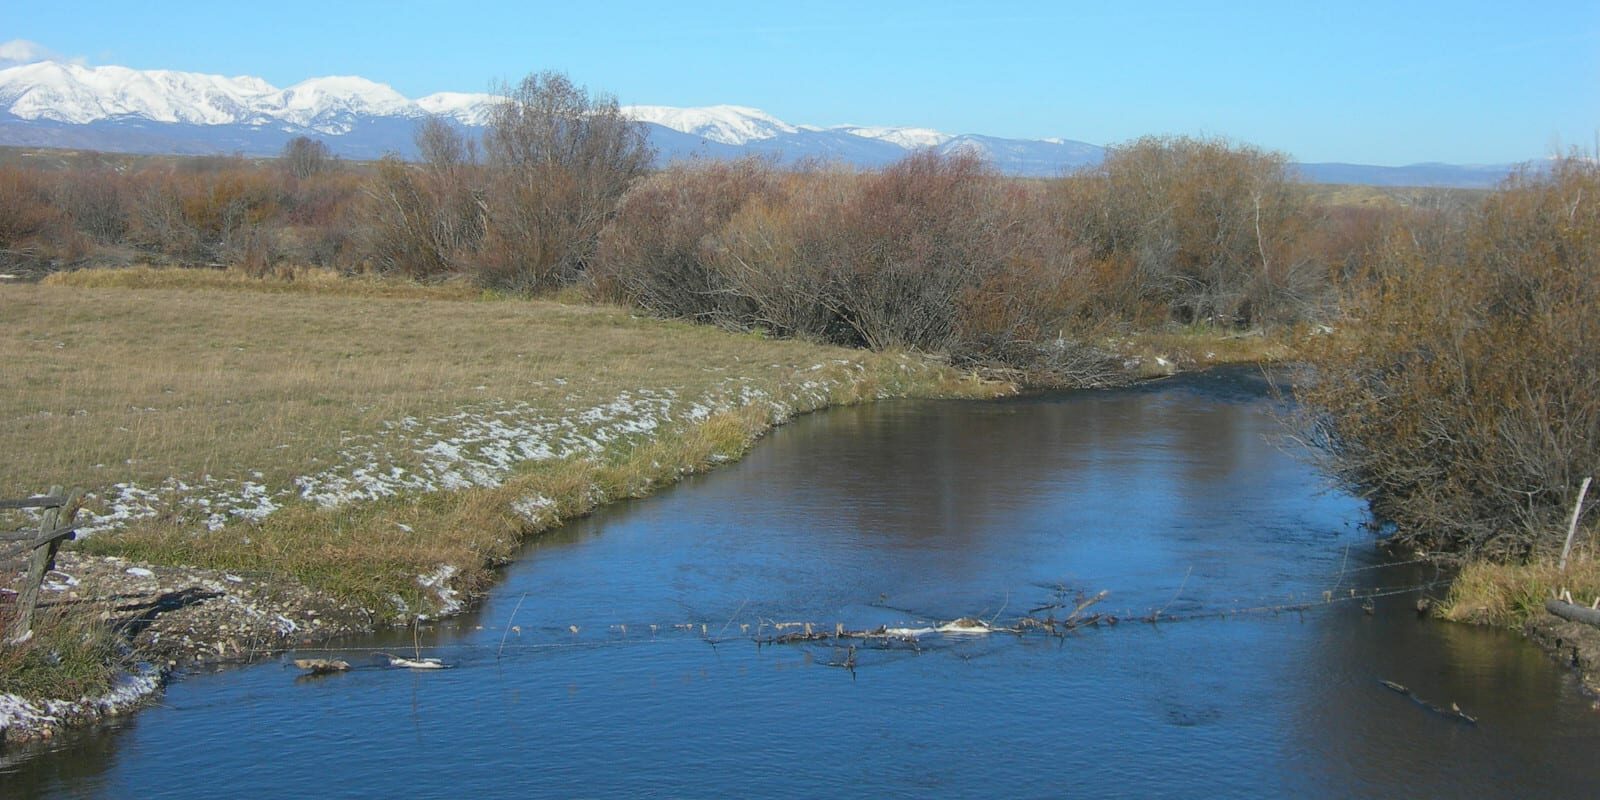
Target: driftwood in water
1573	611
1454	711
321	666
801	636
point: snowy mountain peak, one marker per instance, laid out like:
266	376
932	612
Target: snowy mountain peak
467	108
735	125
78	94
346	91
909	138
326	104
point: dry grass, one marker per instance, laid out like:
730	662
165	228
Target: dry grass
284	280
1390	197
392	429
1507	595
1163	352
70	655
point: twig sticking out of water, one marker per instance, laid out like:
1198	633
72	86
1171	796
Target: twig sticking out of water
1002	610
730	621
1181	587
1083	604
1342	564
510	623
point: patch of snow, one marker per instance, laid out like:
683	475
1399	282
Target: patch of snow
477	446
17	713
439	582
57	581
532	509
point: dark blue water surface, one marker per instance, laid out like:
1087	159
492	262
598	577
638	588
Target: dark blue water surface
1175	497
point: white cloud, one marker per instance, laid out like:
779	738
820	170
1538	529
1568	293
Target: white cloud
22	51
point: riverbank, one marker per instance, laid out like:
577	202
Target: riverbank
282	460
1513	596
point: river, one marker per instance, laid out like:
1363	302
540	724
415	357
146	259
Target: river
619	656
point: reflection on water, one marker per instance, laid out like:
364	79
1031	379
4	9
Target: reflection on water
1171	496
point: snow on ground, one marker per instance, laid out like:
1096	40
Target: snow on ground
478	446
20	717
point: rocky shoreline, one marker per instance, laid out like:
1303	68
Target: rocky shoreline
1574	644
175	619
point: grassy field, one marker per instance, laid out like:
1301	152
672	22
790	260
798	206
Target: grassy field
384	442
1362	196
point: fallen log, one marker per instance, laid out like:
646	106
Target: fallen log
1573	611
1453	711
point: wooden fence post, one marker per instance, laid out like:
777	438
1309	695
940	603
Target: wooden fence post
42	560
1572	527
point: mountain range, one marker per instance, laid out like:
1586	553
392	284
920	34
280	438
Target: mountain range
110	108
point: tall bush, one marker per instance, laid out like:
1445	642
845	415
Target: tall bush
559	160
427	220
1209	231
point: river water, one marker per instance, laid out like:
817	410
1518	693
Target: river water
1177	498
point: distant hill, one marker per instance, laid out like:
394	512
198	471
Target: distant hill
1445	176
116	109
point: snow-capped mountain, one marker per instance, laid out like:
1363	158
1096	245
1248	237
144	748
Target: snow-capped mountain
735	125
116	108
464	108
909	138
55	104
75	94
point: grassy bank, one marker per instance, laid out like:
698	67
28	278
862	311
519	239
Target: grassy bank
384	442
1512	595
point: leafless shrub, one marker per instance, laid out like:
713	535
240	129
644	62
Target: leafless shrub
96	202
935	253
1211	231
304	157
427	221
666	249
558	162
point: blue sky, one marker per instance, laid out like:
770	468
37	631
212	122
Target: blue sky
1378	83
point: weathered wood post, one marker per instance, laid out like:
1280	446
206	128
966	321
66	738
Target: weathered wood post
1572	527
55	524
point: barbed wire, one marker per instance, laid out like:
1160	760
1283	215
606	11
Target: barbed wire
915	635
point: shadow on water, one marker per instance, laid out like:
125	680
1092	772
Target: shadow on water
593	671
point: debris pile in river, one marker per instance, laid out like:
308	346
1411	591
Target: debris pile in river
961	626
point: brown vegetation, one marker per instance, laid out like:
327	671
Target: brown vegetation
1199	229
939	253
1462	395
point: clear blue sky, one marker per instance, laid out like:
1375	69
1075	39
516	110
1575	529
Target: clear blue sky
1380	83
